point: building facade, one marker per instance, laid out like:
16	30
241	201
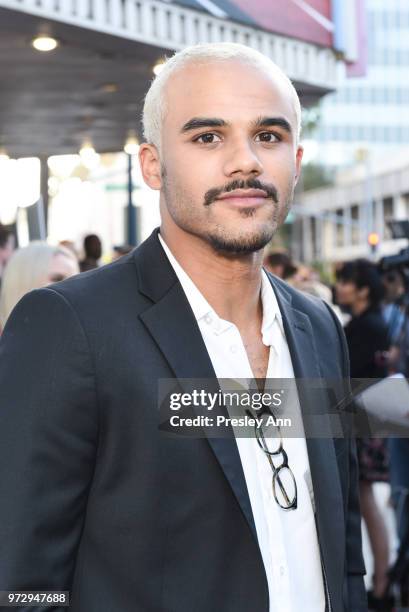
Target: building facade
371	112
338	220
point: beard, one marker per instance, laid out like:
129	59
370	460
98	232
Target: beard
222	237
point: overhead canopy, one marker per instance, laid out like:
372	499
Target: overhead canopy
93	84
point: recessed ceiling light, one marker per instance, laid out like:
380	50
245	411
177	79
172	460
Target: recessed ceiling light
132	145
158	67
44	43
3	155
89	156
109	88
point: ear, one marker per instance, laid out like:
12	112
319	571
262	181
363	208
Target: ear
150	165
298	160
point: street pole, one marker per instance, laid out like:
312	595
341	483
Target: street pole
369	204
363	156
44	178
131	210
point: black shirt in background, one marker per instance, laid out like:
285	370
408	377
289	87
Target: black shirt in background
367	337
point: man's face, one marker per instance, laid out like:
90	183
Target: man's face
229	160
348	293
394	285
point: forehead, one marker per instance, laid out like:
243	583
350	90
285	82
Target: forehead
231	90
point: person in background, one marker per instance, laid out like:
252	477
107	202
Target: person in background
393	310
280	264
307	279
121	250
359	288
93	252
70	245
395	313
7	244
34	266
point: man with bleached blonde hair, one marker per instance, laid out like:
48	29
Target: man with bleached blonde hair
98	499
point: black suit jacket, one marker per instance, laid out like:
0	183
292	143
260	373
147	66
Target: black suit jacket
97	501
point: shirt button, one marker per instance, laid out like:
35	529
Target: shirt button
233	348
208	319
282	570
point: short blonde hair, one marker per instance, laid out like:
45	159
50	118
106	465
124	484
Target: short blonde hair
155	106
25	271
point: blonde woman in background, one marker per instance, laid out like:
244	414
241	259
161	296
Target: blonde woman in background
34	266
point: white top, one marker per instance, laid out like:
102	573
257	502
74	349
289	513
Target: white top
287	538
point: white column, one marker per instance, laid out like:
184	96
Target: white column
83	9
131	15
379	220
328	241
48	5
363	223
66	7
99	11
319	230
161	22
115	13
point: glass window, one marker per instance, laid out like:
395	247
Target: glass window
387	216
355	224
388	208
340	227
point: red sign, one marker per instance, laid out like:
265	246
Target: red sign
308	20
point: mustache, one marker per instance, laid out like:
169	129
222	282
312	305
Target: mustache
216	192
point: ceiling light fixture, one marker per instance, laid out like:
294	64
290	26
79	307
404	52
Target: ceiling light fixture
132	144
44	43
89	156
3	155
109	88
158	67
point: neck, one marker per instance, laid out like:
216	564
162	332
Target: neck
230	283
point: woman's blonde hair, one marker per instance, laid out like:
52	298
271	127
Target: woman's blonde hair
26	270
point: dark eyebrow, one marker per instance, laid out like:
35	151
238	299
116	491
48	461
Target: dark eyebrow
273	122
201	122
212	122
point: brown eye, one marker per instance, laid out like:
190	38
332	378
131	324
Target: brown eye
268	137
208	138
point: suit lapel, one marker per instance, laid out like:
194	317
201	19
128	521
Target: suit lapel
173	327
321	451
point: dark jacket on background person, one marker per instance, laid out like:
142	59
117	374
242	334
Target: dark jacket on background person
96	501
367	338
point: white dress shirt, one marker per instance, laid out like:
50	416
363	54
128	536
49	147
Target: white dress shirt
287	538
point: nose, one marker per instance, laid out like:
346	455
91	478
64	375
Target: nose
242	160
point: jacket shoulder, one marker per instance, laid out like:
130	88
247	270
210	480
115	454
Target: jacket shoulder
109	285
